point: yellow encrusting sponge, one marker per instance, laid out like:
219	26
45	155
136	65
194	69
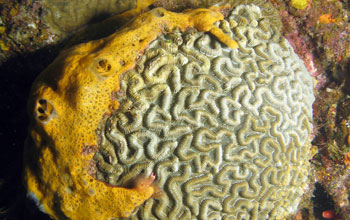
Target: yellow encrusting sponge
299	4
67	103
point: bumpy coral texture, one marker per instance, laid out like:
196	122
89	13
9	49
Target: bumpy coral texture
225	130
67	103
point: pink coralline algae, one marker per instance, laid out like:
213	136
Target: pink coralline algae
300	46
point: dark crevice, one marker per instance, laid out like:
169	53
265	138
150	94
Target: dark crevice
16	76
322	201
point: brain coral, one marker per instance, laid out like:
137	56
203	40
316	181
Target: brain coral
224	129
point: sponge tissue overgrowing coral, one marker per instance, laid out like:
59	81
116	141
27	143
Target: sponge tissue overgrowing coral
225	130
219	109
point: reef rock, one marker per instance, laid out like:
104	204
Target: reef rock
67	16
219	109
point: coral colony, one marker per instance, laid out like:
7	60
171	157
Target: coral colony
213	115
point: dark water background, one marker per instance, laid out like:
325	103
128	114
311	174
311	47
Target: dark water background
17	75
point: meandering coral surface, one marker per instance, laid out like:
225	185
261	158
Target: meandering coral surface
219	109
67	104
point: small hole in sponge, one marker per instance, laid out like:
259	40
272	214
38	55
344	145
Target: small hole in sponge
40	110
103	67
42	118
158	12
44	110
42	102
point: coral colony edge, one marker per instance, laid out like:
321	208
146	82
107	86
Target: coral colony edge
208	112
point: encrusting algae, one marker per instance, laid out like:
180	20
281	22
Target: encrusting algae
68	101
